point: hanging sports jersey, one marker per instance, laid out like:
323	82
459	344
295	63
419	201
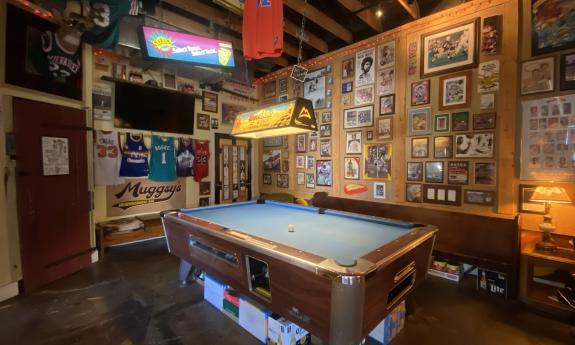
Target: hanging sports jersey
107	159
185	158
107	15
262	29
134	156
51	59
202	159
162	159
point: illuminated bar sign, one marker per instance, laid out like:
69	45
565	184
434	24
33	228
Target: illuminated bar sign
292	117
177	46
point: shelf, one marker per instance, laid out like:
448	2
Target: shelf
152	229
540	293
123	81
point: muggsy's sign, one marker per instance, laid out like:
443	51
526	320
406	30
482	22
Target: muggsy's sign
144	196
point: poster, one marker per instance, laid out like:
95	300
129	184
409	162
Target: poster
377	161
548	139
102	101
138	196
364	70
55	156
314	88
230	111
488	75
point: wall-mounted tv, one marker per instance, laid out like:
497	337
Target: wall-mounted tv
177	46
153	109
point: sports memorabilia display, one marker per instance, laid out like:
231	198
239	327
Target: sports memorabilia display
134	156
162	159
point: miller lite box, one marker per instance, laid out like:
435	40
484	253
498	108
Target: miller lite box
284	332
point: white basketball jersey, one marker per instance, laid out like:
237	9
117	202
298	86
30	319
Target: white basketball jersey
107	159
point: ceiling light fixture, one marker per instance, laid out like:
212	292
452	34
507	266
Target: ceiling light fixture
378	13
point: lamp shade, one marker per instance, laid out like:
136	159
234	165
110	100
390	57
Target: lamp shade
291	117
550	194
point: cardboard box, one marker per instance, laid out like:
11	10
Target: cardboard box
231	305
285	332
390	327
493	282
254	319
214	292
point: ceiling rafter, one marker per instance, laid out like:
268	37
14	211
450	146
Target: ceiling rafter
412	7
363	13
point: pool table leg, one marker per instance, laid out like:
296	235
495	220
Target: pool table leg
185	270
347	298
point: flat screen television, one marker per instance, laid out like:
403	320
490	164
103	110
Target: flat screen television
153	109
177	46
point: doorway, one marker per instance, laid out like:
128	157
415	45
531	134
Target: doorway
233	169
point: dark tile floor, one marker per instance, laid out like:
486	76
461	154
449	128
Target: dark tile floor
133	298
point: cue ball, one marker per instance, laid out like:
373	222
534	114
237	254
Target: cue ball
290	227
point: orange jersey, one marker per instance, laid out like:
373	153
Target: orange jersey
262	30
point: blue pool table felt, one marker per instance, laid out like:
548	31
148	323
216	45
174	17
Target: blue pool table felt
335	235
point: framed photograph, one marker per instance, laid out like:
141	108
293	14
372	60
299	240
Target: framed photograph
204	202
450	49
460	121
441	123
267	179
313	145
418	120
274	141
282	98
323	170
387	105
347	87
300	178
386	54
283	86
384	128
420	91
210	102
412	58
479	197
310	162
314	88
325	130
269	89
203	121
358	117
230	111
488	76
363	95
215	123
301	143
328	92
347	68
351	168
490	35
386	81
458	172
285	166
487	101
346	99
170	81
309	180
364	61
455	91
377	161
485	173
413	192
419	147
325	147
484	121
271	160
205	188
282	180
414	171
300	162
537	76
353	142
442	194
379	190
525	205
369	135
434	172
551	26
443	147
474	145
326	117
567	71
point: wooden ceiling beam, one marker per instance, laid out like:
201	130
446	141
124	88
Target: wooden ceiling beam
320	18
411	8
366	15
309	38
220	18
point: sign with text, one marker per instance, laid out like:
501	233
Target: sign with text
144	196
178	46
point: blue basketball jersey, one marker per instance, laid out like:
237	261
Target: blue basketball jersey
134	156
162	159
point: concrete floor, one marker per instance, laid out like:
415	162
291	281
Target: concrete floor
133	298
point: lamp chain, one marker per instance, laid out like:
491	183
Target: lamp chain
301	33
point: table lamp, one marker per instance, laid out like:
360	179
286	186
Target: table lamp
548	195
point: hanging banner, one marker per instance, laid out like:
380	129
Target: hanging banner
140	196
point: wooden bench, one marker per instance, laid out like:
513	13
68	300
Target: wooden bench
485	241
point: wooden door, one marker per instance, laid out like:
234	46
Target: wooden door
233	169
52	191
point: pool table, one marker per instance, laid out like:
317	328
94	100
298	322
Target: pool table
335	274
